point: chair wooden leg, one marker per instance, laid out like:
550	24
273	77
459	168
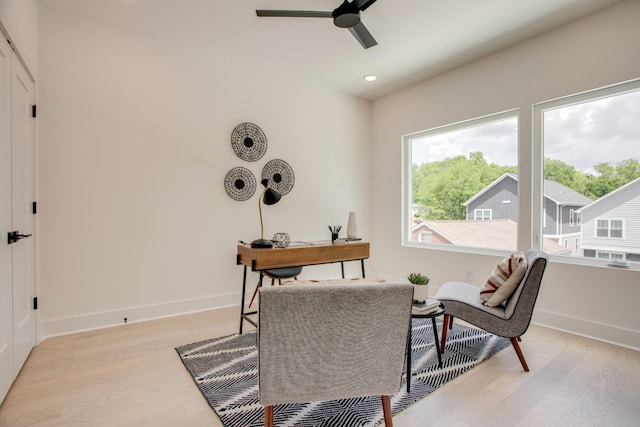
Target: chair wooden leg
386	411
516	346
268	416
445	327
255	292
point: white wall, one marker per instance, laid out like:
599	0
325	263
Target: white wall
596	51
20	20
134	147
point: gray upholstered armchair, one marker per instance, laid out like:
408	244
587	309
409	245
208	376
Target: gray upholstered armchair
510	319
327	342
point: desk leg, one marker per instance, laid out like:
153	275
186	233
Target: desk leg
435	337
362	265
342	268
244	287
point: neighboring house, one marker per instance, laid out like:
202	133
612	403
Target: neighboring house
561	222
493	234
611	225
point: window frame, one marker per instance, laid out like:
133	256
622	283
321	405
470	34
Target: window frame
407	184
537	175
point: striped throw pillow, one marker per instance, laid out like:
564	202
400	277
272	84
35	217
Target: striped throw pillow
504	280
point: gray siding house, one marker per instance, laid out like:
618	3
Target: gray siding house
561	221
611	225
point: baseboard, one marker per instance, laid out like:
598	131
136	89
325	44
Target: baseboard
92	321
586	328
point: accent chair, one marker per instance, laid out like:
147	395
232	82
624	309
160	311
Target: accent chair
326	342
510	319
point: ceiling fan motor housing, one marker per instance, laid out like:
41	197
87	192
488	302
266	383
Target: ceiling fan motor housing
346	15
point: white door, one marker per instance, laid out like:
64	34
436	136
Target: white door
6	283
17	260
22	218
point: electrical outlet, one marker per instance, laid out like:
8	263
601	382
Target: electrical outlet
468	275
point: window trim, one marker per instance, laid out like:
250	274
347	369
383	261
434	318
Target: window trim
537	174
407	221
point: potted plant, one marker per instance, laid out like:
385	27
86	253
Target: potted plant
420	286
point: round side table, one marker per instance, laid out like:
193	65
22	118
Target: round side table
417	314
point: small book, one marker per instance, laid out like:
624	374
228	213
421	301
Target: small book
427	306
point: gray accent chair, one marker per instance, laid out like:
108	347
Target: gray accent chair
327	342
510	319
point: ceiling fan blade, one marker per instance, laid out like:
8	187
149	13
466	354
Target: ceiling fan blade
364	4
363	35
293	13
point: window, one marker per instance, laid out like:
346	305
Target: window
610	255
459	174
482	214
590	159
425	236
612	228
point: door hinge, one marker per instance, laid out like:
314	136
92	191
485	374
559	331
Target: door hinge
33	111
35	303
34	208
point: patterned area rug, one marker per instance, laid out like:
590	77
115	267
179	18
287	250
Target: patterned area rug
225	370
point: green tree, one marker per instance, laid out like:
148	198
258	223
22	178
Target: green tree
442	187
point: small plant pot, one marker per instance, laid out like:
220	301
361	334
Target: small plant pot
420	292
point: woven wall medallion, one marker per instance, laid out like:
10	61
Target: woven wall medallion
280	175
248	142
240	184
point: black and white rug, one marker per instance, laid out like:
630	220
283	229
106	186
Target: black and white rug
226	372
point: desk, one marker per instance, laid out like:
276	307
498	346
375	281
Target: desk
259	259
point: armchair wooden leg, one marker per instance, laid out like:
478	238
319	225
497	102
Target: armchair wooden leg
516	346
445	328
386	411
268	416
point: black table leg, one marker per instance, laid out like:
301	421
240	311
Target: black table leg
435	337
409	358
362	265
244	287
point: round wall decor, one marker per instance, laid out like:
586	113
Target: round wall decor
249	142
240	184
280	175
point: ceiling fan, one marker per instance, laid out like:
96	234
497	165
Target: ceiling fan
347	15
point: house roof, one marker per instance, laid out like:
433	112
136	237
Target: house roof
564	195
627	191
552	190
495	234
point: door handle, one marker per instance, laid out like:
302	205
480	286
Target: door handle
14	236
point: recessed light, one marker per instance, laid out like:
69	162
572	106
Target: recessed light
369	77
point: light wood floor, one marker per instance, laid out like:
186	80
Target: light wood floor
132	376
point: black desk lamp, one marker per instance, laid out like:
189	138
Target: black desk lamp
269	196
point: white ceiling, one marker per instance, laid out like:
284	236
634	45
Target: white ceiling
416	38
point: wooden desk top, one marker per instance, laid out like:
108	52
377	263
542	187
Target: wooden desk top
293	256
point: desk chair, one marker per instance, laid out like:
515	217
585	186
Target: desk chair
276	273
327	342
